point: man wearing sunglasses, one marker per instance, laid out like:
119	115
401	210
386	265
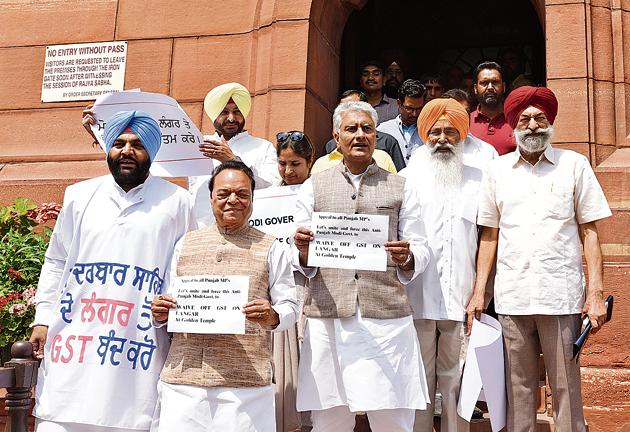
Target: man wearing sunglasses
404	127
227	106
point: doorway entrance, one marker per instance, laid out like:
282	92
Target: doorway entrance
446	37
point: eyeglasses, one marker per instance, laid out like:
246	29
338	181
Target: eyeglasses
291	135
540	119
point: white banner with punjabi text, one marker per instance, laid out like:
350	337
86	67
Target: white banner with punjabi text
179	155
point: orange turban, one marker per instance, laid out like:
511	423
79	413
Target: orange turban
523	97
452	110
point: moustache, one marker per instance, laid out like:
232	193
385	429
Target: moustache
440	147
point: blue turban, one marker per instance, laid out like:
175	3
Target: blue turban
141	123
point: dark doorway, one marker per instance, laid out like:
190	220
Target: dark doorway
447	37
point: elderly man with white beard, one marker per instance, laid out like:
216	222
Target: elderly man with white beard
448	194
539	206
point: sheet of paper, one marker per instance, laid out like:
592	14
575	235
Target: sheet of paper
179	154
274	210
484	373
349	241
209	304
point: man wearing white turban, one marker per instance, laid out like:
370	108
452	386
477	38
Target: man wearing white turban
227	106
108	255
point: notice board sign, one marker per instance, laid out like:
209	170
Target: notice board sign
83	71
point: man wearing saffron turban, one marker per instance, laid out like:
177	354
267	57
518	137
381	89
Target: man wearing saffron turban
448	194
108	255
538	210
227	106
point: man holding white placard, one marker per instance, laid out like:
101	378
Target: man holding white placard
224	381
360	352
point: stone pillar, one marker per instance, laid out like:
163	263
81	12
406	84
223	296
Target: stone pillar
18	399
588	66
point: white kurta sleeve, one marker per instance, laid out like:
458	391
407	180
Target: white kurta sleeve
411	228
282	286
54	265
266	170
303	214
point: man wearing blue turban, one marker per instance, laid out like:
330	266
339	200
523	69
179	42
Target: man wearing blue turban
109	254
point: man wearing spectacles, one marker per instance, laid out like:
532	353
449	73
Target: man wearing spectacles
488	122
404	127
538	209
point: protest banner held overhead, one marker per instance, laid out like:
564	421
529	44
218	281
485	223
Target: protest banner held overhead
179	154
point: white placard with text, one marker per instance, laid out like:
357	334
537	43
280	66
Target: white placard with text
274	210
349	241
209	304
83	71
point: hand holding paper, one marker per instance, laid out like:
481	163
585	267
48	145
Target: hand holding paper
484	373
160	307
351	241
261	312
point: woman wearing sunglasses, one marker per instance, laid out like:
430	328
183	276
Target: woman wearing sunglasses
295	158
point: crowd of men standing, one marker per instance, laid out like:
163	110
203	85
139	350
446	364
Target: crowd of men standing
468	193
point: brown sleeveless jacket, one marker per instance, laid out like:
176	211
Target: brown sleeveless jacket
224	360
334	293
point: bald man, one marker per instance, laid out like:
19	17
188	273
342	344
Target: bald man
227	106
538	235
447	190
108	256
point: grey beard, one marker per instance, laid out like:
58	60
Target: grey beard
447	168
531	142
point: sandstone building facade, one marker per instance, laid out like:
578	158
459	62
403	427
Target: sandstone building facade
295	57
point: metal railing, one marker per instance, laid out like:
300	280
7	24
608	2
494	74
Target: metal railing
18	376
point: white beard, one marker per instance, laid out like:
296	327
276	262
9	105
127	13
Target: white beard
531	142
447	169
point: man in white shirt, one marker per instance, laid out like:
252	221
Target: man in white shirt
538	208
227	106
404	127
109	254
448	193
360	352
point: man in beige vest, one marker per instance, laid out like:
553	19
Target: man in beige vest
223	382
360	351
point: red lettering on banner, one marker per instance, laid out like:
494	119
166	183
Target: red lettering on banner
58	353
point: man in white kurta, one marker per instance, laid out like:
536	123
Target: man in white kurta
448	191
108	256
223	382
227	106
351	363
